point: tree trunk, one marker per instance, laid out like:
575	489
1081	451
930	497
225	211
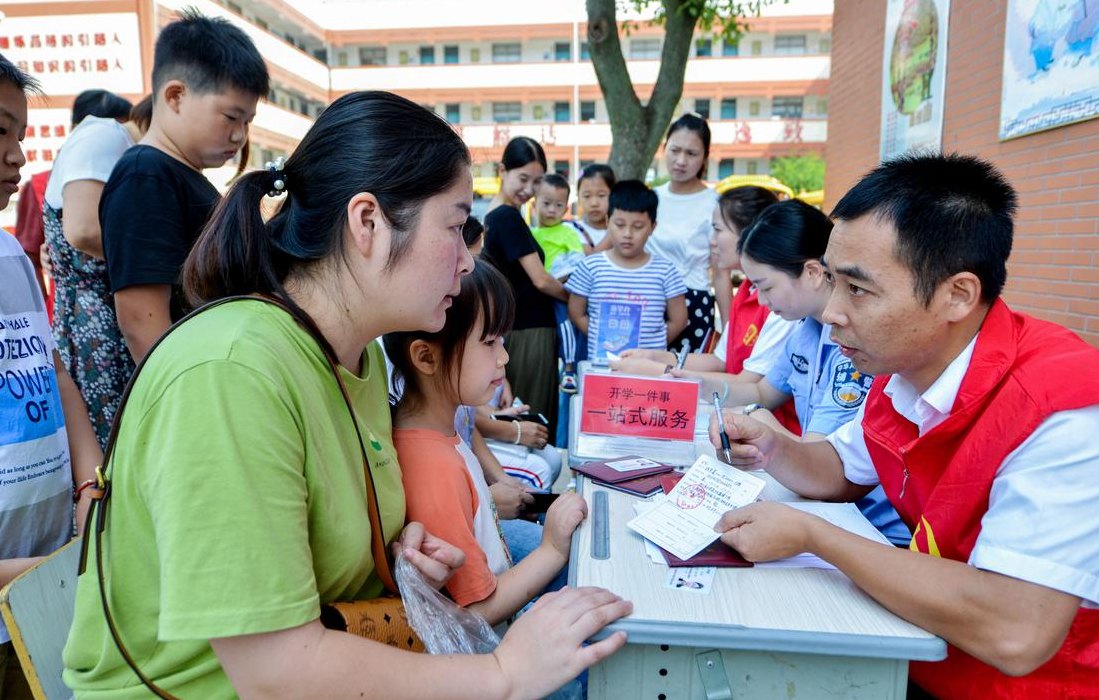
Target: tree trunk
637	129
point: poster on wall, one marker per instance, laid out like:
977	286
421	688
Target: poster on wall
1051	65
914	76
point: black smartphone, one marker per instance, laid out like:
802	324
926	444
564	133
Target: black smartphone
542	501
530	417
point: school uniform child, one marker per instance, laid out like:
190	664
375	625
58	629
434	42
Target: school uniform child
563	250
644	292
207	78
444	484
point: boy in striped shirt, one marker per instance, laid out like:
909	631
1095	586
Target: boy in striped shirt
625	297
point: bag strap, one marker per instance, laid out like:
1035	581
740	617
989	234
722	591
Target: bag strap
97	511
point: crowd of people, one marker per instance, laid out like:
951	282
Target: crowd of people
868	354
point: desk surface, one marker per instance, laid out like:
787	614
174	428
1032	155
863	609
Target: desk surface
793	610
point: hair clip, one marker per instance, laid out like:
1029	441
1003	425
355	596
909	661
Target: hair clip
279	185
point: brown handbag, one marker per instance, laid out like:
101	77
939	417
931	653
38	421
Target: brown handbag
381	619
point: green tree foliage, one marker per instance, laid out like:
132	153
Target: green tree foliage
802	173
637	126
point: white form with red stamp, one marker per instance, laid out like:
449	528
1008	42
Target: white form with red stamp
683	523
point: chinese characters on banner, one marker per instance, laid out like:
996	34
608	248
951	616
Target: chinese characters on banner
647	407
72	53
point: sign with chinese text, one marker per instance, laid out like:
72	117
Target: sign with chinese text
619	328
72	53
647	407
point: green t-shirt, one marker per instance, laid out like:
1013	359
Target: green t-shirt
558	239
239	502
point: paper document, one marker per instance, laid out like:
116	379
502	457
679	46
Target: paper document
678	453
632	465
843	515
684	522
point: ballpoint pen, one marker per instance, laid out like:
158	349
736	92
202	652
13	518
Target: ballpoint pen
725	446
681	358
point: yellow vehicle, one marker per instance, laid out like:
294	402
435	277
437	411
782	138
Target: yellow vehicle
766	181
486	186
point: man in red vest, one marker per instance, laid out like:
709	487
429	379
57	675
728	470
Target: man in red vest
981	426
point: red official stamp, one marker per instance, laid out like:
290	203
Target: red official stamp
691	497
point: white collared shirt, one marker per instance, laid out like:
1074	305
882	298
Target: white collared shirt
1042	523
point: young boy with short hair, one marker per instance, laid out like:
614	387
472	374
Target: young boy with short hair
207	79
625	297
47	448
564	251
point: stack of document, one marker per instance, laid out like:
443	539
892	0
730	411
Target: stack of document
846	516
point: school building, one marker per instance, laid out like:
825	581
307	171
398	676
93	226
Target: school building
1054	267
494	68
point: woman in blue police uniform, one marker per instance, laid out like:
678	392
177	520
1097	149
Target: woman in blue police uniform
781	254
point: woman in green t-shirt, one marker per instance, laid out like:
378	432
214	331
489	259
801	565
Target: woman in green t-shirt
238	503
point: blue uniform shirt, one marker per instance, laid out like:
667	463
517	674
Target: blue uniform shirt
827	391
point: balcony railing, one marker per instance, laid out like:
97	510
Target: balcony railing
740	69
745	132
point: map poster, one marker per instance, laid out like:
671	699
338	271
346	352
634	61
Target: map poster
914	76
1051	65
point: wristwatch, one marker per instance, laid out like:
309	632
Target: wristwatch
751	407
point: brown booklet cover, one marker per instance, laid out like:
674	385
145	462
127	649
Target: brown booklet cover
600	472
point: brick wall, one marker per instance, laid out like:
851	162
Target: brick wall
1054	268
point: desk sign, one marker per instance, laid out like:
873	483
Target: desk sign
646	407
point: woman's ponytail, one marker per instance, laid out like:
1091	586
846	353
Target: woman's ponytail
234	253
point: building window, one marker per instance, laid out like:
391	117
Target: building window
822	107
725	168
753	108
757	48
702	107
585	51
427	55
503	112
642	49
562	51
787	107
402	58
475	55
341	58
728	108
321	55
562	112
704	47
790	44
475	113
730	47
372	55
450	54
538	112
587	110
753	167
506	53
454	113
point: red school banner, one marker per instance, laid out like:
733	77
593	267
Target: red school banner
647	407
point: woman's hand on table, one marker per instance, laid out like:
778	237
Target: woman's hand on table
639	365
562	518
436	559
766	531
510	497
544	648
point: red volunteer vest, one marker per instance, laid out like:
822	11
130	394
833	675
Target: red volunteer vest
1022	371
746	318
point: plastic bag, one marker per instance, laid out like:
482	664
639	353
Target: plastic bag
446	628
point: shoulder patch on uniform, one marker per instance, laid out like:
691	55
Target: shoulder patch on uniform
849	386
801	365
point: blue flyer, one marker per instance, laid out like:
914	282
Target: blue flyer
619	327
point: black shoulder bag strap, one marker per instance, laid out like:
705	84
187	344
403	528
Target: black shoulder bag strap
101	495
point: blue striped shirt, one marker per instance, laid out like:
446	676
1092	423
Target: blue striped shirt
649	286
